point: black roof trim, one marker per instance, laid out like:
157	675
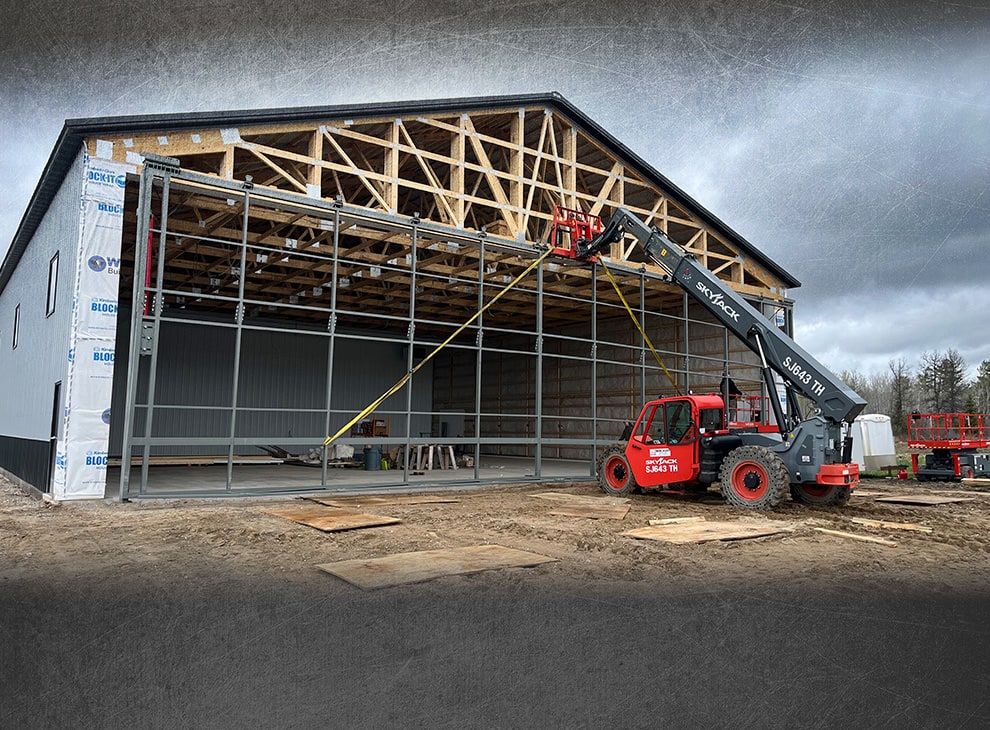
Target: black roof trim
75	131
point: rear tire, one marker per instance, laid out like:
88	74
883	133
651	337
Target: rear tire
753	477
614	475
830	495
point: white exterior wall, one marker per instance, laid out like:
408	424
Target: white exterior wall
40	360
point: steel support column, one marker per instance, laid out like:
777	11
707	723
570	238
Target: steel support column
331	341
238	336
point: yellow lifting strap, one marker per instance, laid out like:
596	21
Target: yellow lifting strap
408	376
632	316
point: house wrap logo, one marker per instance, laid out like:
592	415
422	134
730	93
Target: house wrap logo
105	416
106	307
112	208
96	458
103	354
106	178
99	264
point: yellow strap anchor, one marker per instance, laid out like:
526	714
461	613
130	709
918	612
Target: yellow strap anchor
406	378
632	316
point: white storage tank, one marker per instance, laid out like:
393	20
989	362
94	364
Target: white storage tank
873	442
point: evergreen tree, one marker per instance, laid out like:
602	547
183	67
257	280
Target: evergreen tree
954	385
981	388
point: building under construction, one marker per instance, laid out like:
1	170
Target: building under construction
194	303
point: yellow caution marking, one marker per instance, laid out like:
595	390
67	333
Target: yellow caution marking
408	376
632	316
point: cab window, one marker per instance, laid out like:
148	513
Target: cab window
679	425
710	419
649	430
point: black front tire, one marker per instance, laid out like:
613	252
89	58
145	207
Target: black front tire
615	477
753	477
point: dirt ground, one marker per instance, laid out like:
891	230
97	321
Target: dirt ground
189	536
106	611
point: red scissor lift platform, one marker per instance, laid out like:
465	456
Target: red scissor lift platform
954	440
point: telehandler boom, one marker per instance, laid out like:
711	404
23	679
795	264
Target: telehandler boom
687	442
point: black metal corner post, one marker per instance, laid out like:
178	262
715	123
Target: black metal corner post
479	359
538	450
411	338
239	333
134	343
331	341
594	370
642	343
687	344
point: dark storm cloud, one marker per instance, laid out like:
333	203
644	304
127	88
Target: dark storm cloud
847	140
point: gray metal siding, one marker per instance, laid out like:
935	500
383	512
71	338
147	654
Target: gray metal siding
281	389
30	372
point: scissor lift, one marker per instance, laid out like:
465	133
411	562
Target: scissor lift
954	440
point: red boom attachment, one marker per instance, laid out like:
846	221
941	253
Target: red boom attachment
570	226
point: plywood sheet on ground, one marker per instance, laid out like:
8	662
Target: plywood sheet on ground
332	520
423	565
579	498
593	511
924	499
695	532
381	500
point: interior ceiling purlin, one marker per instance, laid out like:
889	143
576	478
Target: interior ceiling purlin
501	171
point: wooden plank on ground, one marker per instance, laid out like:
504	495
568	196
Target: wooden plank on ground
976	482
891	525
416	567
677	520
332	520
853	536
381	500
593	511
579	498
703	531
924	499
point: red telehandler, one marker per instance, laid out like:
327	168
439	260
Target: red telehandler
687	442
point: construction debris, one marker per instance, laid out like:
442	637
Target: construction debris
593	511
891	525
698	531
332	520
416	567
853	536
923	499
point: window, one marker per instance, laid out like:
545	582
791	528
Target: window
650	427
52	285
679	424
17	321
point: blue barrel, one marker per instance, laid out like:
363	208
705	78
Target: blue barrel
372	458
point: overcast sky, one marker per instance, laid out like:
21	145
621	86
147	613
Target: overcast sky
849	141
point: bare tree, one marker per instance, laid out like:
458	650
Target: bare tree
900	396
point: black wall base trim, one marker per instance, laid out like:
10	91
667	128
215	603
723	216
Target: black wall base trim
27	459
